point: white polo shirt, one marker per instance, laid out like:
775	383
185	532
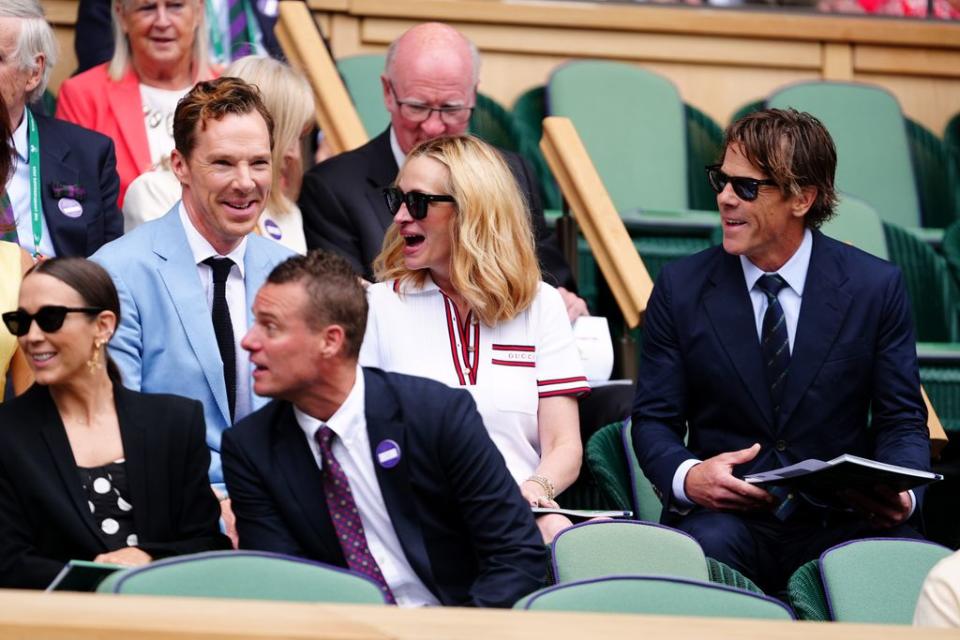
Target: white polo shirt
507	368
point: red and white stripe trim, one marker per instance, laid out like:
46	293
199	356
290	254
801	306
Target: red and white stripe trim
576	386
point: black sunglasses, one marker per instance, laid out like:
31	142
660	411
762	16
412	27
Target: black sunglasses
416	202
49	318
745	188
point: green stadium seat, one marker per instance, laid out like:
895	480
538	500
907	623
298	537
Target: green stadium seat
249	575
361	75
656	595
935	178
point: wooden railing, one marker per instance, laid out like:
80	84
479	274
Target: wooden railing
304	48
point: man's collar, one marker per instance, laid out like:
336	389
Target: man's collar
794	270
201	248
398	154
344	421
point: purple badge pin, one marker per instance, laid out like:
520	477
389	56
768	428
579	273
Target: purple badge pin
70	207
272	229
388	454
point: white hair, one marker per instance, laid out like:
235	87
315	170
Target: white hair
121	46
35	39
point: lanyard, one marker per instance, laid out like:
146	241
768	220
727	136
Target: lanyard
33	159
214	32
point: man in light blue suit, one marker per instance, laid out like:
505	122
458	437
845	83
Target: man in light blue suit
187	280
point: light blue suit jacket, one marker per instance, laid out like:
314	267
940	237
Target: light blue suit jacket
165	342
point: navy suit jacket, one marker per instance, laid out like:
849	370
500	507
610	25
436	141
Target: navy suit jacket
72	155
460	518
343	208
854	356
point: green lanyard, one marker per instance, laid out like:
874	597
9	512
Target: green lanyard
33	158
216	38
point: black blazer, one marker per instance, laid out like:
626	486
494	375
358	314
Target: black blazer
463	525
343	208
44	518
72	155
854	355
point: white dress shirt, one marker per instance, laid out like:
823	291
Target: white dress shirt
351	448
236	302
18	190
398	153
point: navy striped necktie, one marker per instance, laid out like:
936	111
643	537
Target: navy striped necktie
774	341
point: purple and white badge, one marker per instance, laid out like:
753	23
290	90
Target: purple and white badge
272	229
70	207
388	454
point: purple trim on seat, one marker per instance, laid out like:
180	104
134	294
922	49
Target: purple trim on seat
826	587
626	441
639	523
709	585
214	555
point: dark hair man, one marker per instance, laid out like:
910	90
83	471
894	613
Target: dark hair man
776	347
389	475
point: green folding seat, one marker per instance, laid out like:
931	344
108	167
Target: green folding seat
704	145
935	178
655	595
247	575
747	109
494	124
951	144
361	75
857	223
873	155
877	580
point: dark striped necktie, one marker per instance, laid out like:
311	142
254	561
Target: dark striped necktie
774	342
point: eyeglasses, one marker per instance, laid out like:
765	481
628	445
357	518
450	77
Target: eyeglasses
745	188
49	318
416	202
416	112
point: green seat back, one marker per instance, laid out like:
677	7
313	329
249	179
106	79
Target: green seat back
951	144
931	165
857	224
646	503
724	574
933	293
610	458
805	593
494	124
747	109
655	595
612	547
877	580
704	142
633	125
361	75
246	575
528	113
873	156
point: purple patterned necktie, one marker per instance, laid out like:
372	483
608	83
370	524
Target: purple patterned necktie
8	223
345	517
239	29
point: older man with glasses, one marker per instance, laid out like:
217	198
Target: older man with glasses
773	348
430	90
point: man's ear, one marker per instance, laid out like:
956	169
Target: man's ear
803	202
178	164
388	100
333	338
37	74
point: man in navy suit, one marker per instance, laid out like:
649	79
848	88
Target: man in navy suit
389	475
779	346
76	185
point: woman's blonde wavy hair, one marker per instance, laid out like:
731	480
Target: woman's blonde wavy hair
122	55
493	264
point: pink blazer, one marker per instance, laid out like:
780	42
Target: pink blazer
94	101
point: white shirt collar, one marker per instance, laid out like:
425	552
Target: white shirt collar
201	248
345	421
398	154
19	138
794	271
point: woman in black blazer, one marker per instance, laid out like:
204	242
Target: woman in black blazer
90	470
